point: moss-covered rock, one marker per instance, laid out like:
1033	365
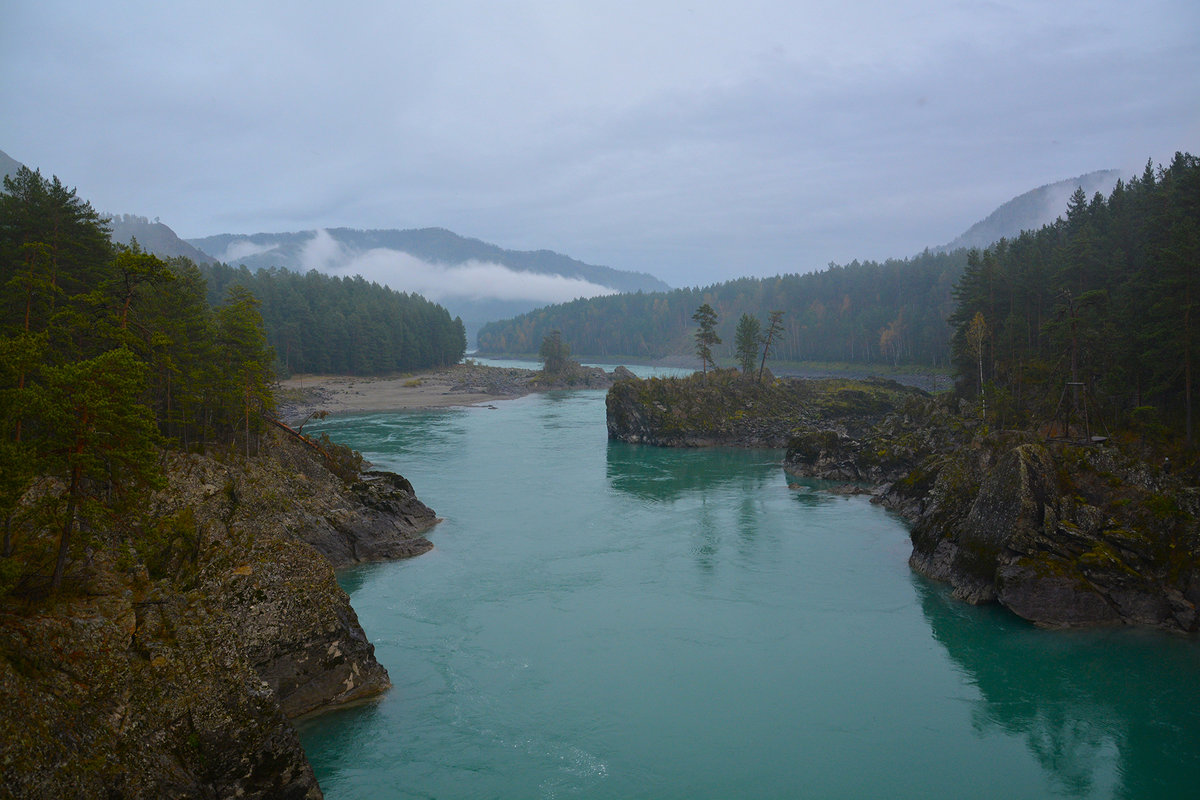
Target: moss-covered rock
1060	534
139	691
727	408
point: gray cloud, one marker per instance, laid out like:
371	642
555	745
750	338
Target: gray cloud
694	141
241	249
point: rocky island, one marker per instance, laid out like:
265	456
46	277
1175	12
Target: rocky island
726	408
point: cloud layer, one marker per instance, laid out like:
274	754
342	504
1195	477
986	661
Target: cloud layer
473	280
693	141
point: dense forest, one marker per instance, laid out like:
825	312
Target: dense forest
319	323
1091	322
892	312
106	353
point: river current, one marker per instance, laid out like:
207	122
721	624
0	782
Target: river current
603	620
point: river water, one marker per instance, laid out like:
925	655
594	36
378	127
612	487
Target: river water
602	620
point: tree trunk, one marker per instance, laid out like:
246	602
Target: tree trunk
1187	361
64	539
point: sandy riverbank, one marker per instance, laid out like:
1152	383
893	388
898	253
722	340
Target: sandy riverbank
459	385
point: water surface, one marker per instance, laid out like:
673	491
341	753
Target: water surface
601	620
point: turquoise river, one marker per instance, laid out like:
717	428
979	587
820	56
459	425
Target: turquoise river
602	620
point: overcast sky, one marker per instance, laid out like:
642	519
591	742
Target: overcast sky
696	141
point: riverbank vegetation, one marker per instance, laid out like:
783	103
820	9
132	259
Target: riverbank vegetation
167	590
109	355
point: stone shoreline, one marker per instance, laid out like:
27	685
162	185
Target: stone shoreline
447	387
459	385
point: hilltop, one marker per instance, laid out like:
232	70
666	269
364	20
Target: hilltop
1033	209
154	237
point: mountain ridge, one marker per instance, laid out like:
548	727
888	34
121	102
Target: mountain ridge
1031	210
436	245
154	237
8	164
479	294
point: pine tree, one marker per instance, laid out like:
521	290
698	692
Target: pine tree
554	353
242	349
746	342
774	331
99	437
706	336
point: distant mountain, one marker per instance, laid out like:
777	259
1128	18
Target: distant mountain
478	281
8	164
1032	210
433	245
154	237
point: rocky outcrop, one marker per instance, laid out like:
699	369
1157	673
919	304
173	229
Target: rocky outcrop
572	376
1062	535
514	381
377	517
872	450
131	689
173	662
725	408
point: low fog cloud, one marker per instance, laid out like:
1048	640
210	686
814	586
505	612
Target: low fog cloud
243	249
472	280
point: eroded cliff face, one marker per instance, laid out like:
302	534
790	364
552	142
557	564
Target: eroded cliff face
1060	534
172	671
130	688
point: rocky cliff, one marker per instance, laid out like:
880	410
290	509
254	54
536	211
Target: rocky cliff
170	667
1060	533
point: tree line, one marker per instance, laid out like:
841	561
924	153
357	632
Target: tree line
320	323
1090	324
892	312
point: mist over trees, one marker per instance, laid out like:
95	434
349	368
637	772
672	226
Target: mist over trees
863	312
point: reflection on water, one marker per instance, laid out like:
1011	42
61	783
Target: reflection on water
1104	712
812	493
663	474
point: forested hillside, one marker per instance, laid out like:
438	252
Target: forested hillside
348	326
105	352
153	237
892	312
1091	322
492	282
